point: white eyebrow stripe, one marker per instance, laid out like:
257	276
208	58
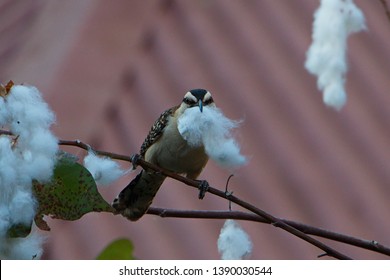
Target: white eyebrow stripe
189	95
207	96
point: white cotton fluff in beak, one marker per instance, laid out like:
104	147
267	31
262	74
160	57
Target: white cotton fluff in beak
211	129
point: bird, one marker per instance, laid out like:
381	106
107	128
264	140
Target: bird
165	147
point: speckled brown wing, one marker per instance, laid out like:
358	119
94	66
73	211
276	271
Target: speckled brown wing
156	130
134	200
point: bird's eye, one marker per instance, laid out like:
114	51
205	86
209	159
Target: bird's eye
208	101
189	101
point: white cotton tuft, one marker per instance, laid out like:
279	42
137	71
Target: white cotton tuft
39	153
334	96
212	129
27	109
30	154
3	113
5	222
8	171
22	207
28	248
326	57
104	170
233	242
30	118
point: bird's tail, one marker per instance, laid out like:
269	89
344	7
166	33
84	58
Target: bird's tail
134	200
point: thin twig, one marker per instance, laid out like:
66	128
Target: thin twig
227	192
268	217
239	215
298	229
193	183
78	143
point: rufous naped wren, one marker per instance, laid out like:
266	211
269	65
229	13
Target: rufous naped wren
165	147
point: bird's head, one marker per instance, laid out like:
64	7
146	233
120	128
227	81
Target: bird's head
197	97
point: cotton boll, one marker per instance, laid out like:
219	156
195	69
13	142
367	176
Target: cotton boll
22	207
31	155
8	168
36	146
35	166
334	96
326	57
354	18
103	170
333	74
38	154
27	109
39	168
5	222
27	248
212	130
3	112
26	102
41	141
233	242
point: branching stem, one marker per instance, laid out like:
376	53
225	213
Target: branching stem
298	229
193	183
239	215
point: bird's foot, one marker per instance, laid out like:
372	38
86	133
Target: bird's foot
134	160
203	188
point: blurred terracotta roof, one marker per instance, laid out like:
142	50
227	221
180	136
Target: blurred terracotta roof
109	70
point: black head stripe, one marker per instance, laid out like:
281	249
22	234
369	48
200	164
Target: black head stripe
199	93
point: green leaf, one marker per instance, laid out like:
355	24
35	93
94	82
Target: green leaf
71	194
121	249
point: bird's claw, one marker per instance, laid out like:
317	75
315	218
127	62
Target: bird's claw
203	188
134	160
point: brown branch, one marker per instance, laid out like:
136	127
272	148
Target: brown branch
386	7
79	144
371	245
268	217
193	183
298	229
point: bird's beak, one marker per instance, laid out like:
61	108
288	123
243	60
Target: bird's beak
200	104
